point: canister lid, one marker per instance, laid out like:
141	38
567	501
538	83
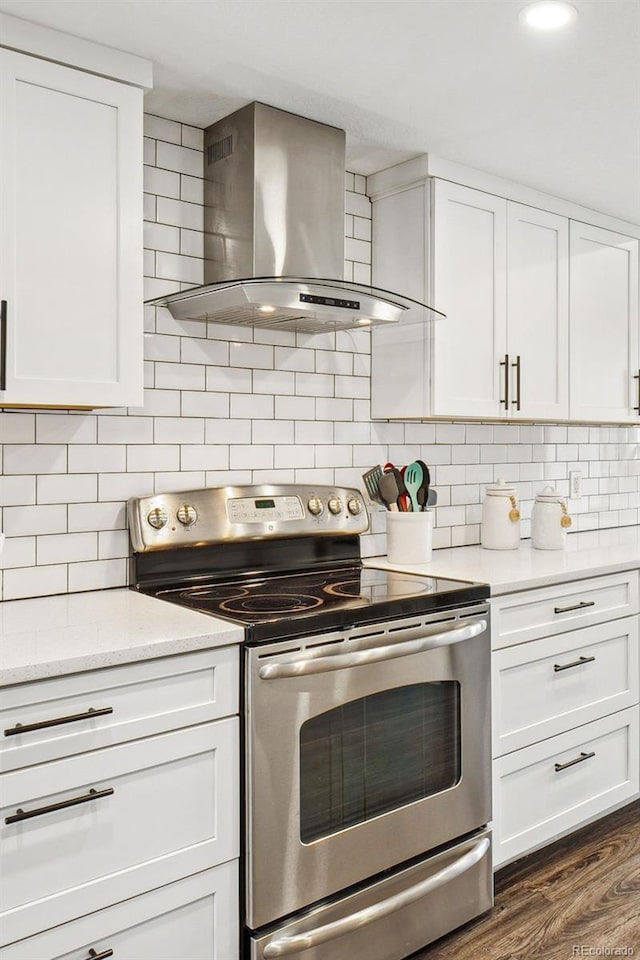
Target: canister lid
549	495
500	489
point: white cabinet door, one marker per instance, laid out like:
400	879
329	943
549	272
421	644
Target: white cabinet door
603	325
70	236
469	286
538	313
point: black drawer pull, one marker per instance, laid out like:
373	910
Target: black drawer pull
99	956
62	805
575	663
575	606
28	727
572	763
3	344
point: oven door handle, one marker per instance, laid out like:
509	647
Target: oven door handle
340	661
297	942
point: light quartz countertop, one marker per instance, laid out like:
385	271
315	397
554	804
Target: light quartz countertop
52	636
587	554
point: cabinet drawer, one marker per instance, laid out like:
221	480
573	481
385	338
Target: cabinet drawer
519	617
143	699
534	801
548	686
173	810
194	919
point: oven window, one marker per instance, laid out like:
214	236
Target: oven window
376	754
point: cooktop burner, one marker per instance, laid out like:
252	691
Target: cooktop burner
288	605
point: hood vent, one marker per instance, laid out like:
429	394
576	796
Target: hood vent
274	229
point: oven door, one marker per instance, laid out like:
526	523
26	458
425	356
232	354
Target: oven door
364	748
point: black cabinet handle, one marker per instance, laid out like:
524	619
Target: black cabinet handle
505	363
572	763
20	815
637	377
3	344
517	369
99	956
575	663
72	718
575	606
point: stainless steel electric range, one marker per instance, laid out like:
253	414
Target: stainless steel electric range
366	715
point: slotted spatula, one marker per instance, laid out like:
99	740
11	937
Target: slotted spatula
372	483
413	481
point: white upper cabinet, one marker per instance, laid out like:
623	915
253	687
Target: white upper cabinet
468	245
70	236
502	272
605	363
538	313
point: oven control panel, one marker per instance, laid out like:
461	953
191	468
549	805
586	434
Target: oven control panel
264	511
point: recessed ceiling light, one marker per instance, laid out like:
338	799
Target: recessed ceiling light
548	14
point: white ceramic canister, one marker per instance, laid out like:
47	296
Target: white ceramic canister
550	520
500	518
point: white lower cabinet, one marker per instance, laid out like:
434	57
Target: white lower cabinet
111	834
565	710
192	919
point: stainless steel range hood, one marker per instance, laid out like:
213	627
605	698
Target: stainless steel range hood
274	231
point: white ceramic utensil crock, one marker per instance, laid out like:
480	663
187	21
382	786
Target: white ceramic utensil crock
550	520
500	518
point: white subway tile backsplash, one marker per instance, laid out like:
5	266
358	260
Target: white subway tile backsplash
67	547
204	457
24	521
173	266
98	458
18	552
163	183
314	385
113	543
97	575
275	382
67	488
179	213
221	430
34	582
228	404
295	408
252	355
209	352
252	457
17	428
117	430
17	490
156	456
179	430
158	128
180	159
34	458
229	379
180	376
99	516
295	358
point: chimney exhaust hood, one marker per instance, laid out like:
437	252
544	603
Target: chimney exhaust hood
274	194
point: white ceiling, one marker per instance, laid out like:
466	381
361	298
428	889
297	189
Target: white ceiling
461	79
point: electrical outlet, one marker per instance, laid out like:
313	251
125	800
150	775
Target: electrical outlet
575	484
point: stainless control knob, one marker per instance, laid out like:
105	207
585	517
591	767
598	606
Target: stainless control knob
314	506
354	506
335	505
187	515
157	518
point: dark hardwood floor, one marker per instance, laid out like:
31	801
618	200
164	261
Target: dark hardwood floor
581	892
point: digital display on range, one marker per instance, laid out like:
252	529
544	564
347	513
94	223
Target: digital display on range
264	504
330	301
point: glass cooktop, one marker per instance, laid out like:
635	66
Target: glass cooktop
279	606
